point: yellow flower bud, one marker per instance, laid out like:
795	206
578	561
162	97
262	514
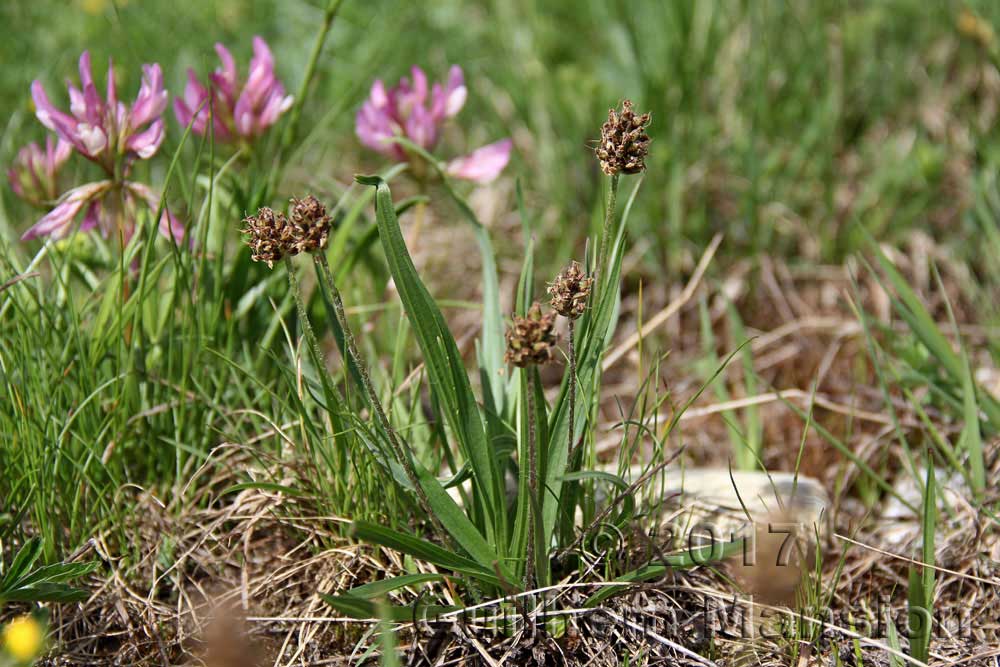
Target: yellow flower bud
22	638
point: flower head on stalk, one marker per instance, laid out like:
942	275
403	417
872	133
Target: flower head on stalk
272	235
34	175
310	225
417	111
624	143
269	236
106	130
531	340
570	290
237	110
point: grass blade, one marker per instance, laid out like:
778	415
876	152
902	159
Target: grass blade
363	610
921	590
419	548
972	438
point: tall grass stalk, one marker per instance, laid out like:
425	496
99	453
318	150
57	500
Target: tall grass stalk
921	580
307	329
400	451
295	113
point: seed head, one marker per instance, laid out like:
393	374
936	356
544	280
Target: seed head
531	340
270	236
570	291
310	225
624	142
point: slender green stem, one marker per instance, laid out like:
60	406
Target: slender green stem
307	329
401	453
318	359
333	6
352	348
609	216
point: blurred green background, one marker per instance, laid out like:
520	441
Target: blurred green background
782	124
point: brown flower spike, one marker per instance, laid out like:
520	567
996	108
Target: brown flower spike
270	236
531	340
570	291
624	142
273	236
310	223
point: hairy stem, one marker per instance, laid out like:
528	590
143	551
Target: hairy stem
307	329
401	453
529	566
571	446
310	334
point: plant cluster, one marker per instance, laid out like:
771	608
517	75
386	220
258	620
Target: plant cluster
500	541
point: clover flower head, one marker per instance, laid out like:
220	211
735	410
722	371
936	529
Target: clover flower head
107	131
570	290
237	110
624	143
531	340
417	111
34	173
112	134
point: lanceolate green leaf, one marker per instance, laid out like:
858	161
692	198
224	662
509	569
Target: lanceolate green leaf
362	609
921	581
445	509
491	351
22	562
379	588
447	374
972	438
422	549
45	584
45	592
457	523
